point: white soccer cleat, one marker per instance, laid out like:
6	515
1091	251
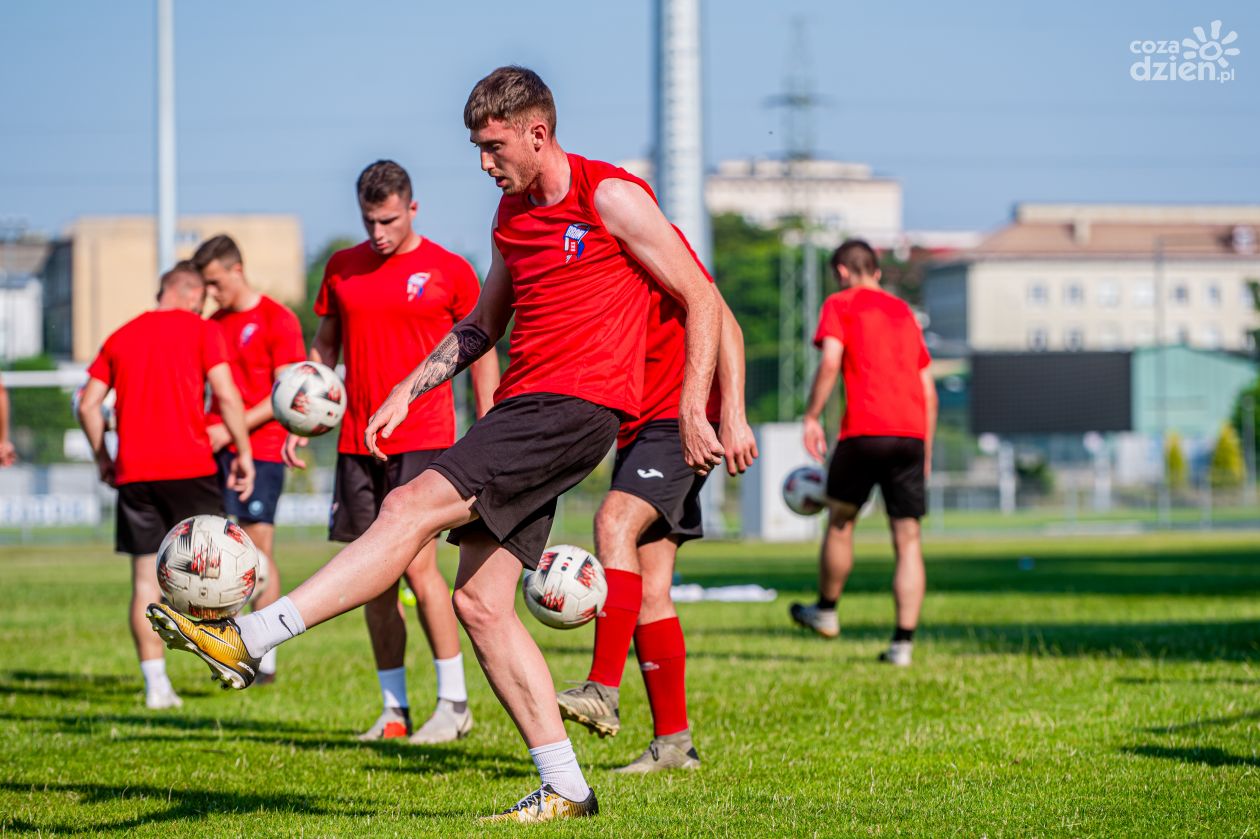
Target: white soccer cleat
445	726
899	653
158	700
826	622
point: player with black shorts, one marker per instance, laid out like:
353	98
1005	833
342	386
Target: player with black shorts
158	364
382	304
873	340
652	507
263	337
576	245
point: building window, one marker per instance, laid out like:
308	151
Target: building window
1108	293
1074	338
1181	293
1246	298
1037	338
1144	335
1144	293
1038	295
1210	337
1249	340
1109	337
1183	335
1074	294
1214	294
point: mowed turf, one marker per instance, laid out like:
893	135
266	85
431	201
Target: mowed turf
1061	687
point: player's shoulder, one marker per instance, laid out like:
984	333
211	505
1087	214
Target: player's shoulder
347	259
440	253
273	309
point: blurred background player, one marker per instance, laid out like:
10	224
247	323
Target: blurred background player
159	364
383	304
651	509
8	454
873	340
263	337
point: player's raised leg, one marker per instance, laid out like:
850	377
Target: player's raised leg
621	520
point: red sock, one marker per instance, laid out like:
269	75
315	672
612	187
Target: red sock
663	660
614	627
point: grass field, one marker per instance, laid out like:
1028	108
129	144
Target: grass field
1113	688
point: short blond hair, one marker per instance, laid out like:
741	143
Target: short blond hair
510	94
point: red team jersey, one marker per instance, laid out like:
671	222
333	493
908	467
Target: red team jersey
665	361
393	311
157	365
580	300
884	354
258	341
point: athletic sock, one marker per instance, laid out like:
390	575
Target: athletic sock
155	678
826	604
663	660
267	664
558	766
268	628
393	687
450	678
902	634
614	627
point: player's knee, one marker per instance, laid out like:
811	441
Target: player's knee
842	515
474	612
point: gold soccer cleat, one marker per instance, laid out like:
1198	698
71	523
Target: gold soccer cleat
218	642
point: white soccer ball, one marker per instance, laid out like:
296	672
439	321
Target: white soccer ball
805	490
308	399
567	589
207	567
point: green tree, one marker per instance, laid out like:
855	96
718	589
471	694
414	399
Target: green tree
314	277
1226	468
40	416
1174	461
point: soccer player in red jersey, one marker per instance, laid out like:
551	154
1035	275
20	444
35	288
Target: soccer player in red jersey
577	244
383	304
872	339
159	364
653	507
263	338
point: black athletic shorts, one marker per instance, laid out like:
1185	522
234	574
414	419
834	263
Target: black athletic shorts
652	467
895	463
147	510
268	484
519	458
360	487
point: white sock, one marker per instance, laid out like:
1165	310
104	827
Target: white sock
450	678
268	628
268	663
155	678
558	766
393	687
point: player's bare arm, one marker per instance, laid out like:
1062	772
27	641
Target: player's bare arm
93	423
930	401
326	349
467	341
825	376
633	218
485	381
738	443
232	409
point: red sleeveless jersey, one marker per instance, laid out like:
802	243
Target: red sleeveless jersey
580	299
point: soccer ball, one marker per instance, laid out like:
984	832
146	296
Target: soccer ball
207	567
567	589
805	490
261	580
308	399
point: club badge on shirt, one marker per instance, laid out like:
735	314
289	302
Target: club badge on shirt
573	245
416	284
247	332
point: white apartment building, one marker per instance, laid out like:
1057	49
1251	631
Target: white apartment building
1101	277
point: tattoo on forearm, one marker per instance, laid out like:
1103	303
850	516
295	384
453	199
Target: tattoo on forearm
464	345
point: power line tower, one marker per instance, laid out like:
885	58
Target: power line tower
798	265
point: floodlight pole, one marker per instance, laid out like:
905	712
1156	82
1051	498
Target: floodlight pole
165	135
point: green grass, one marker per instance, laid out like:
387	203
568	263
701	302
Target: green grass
1113	689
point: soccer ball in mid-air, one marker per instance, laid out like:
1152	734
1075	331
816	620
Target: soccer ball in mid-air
207	567
567	589
308	399
805	490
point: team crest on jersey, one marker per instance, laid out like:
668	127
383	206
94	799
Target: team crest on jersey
415	285
248	332
573	244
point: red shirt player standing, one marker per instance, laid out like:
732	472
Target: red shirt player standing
873	340
158	364
263	337
383	304
576	245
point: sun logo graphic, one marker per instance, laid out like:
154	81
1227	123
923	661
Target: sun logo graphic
1205	57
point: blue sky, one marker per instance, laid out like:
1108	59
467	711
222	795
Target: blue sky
973	106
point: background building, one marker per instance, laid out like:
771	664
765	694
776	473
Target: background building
1072	276
101	274
21	295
